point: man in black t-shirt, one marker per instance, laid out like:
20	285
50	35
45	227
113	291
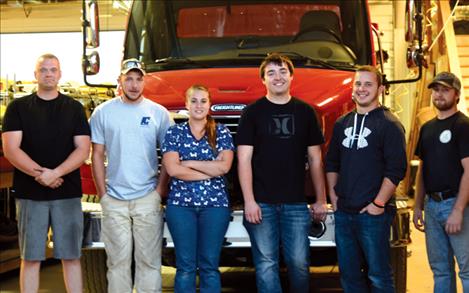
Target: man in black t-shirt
275	135
443	185
46	137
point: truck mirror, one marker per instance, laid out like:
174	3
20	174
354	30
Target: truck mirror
91	24
90	63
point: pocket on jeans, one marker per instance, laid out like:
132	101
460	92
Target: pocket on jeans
376	216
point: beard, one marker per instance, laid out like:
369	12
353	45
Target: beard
130	98
443	105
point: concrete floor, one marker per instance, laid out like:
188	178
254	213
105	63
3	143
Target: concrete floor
419	276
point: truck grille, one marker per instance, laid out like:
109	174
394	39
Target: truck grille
230	121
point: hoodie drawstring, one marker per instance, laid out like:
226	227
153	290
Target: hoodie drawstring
360	133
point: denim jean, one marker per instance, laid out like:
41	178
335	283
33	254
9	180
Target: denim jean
442	248
286	226
128	223
198	234
363	252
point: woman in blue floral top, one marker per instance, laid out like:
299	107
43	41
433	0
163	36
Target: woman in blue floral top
196	154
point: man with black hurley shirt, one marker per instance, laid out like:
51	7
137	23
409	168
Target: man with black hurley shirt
275	135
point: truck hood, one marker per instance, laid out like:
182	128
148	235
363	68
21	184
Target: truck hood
320	88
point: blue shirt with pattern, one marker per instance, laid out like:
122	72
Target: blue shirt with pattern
205	193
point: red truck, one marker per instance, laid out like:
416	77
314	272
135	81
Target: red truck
221	44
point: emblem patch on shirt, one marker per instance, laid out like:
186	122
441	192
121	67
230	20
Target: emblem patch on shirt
282	126
445	136
145	120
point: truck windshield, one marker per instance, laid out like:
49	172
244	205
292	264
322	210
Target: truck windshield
190	34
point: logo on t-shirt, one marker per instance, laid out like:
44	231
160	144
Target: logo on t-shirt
351	137
145	120
445	136
282	126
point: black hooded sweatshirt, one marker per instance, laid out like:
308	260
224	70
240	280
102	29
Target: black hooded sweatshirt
364	149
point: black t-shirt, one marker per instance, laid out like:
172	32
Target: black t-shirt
280	135
48	129
441	146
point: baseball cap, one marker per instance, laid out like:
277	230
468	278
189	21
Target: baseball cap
447	79
131	64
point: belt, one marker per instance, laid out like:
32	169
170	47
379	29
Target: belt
441	195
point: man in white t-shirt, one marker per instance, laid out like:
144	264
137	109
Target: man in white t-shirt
126	130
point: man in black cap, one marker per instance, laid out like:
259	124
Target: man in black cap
443	185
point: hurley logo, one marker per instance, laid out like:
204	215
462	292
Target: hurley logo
282	125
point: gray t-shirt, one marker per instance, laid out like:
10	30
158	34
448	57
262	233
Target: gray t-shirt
130	134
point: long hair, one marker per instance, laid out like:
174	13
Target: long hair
210	126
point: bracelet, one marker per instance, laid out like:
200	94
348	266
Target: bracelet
377	205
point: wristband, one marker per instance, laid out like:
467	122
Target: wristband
377	205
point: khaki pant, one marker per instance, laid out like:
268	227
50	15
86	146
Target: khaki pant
136	222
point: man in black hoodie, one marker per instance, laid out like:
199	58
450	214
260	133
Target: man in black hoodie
365	162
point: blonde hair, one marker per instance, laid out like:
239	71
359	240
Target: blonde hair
210	126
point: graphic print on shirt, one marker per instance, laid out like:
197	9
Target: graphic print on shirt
282	126
445	136
145	121
351	136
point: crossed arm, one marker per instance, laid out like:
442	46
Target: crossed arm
45	176
192	170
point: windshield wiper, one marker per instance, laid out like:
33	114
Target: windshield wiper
178	61
310	60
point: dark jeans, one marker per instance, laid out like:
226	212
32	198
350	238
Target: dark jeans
287	224
198	235
363	251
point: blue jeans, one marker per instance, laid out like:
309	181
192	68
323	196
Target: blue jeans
442	247
198	234
363	252
288	225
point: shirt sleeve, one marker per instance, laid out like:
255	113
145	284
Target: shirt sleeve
315	134
418	147
166	122
12	119
395	159
246	128
171	139
82	127
333	153
97	126
224	139
463	139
